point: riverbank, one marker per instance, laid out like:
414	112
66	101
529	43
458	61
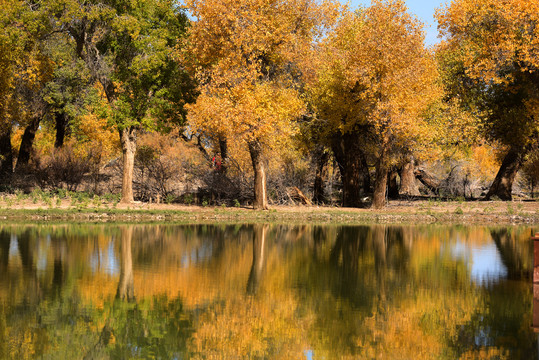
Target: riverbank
398	212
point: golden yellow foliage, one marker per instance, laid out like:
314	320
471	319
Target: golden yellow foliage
496	43
484	162
243	53
496	34
375	81
374	70
247	111
94	132
91	133
246	56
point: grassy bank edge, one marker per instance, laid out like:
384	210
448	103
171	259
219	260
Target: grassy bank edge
234	215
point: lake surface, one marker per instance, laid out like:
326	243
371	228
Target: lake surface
266	292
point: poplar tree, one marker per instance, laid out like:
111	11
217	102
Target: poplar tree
495	68
374	83
246	55
130	48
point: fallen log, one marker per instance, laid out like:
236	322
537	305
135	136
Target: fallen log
430	181
297	195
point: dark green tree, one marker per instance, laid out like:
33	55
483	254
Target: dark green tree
129	48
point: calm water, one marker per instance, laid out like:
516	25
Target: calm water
265	291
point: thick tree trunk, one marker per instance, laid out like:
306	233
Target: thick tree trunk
260	192
61	127
223	149
27	142
6	155
259	246
353	168
379	197
319	196
503	183
128	140
393	186
408	183
126	287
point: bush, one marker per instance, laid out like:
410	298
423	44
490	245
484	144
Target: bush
157	167
188	199
64	167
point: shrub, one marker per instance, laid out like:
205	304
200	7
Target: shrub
155	168
64	167
188	199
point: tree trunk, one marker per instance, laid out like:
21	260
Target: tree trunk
319	196
61	127
128	140
260	192
353	168
379	197
126	287
223	149
27	142
393	186
408	183
6	155
503	183
259	246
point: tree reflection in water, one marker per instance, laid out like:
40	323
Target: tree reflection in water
261	291
259	245
126	291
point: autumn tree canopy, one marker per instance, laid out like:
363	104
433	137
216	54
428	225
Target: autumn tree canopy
245	55
493	48
26	66
12	40
375	80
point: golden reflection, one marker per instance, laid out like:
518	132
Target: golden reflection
274	291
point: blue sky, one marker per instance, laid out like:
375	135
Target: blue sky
424	9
